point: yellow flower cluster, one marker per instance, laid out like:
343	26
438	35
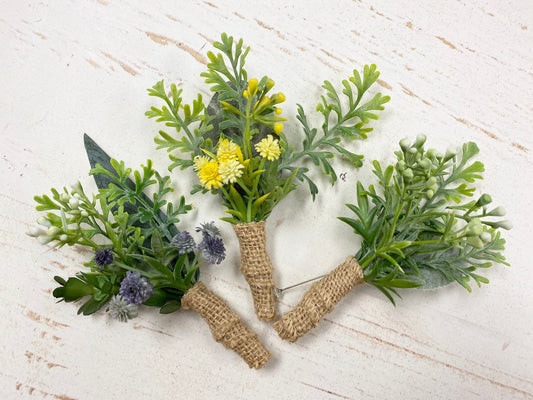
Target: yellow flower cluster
225	167
269	148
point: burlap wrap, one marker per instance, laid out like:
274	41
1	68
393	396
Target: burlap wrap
319	300
226	326
257	268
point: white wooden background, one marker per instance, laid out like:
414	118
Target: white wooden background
456	70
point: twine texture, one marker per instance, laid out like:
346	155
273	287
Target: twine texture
226	326
257	268
319	300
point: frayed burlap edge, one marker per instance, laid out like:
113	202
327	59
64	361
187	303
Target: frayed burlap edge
319	300
226	326
257	268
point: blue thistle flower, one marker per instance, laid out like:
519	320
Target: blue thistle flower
212	249
119	309
103	257
135	288
184	242
208	229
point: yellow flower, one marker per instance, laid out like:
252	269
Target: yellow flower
269	148
278	98
228	151
252	86
209	176
230	171
278	111
200	162
278	128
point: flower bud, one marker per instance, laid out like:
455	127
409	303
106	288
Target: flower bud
44	222
485	237
484	200
35	231
431	181
269	84
265	101
252	85
412	150
84	213
53	231
278	128
474	228
449	154
278	111
431	153
420	140
63	238
74	202
429	193
64	197
43	239
246	94
400	165
506	224
278	98
408	174
475	241
76	187
404	144
497	212
425	163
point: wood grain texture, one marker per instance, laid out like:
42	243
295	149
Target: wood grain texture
455	70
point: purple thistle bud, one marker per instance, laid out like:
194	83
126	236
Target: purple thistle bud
212	249
208	229
184	242
135	288
103	257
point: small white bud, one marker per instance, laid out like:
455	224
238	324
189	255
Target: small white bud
498	212
485	237
429	193
76	195
412	150
35	231
53	231
506	224
76	187
431	181
43	239
74	202
44	222
63	238
449	154
64	197
84	213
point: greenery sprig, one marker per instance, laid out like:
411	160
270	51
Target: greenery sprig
140	256
418	230
236	145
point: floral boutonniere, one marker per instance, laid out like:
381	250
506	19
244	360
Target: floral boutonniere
417	231
237	147
140	257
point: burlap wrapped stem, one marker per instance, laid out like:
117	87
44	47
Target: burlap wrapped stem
319	300
257	268
226	326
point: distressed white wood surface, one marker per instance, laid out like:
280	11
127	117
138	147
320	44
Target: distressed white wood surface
455	70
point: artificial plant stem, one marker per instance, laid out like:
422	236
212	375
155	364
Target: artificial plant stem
225	325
